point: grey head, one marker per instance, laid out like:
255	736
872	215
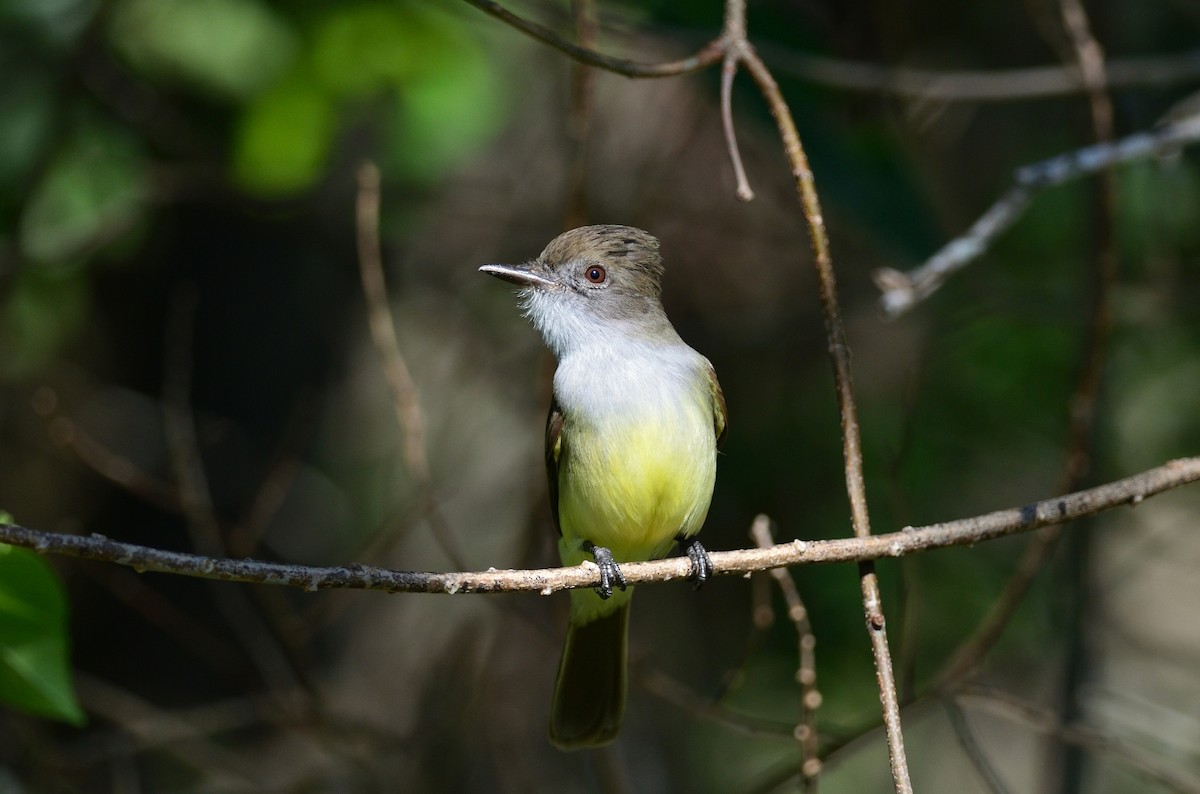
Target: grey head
591	283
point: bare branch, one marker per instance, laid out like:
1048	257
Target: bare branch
117	469
579	118
708	55
185	738
964	532
995	85
1069	765
839	353
689	700
902	291
1011	707
728	70
806	672
970	745
179	423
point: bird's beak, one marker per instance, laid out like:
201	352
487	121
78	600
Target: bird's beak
521	275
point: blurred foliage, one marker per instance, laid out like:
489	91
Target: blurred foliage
95	183
234	49
157	155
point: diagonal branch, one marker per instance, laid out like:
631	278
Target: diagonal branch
1082	735
901	291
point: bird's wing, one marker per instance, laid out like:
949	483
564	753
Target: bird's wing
720	414
554	444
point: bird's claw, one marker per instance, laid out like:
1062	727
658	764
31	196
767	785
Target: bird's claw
610	572
702	567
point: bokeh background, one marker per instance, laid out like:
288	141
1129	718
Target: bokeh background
186	363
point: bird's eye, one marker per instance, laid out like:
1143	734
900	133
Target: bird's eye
595	274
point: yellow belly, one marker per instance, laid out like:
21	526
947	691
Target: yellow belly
632	487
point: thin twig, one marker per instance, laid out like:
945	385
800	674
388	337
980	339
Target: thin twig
707	55
902	291
684	697
762	617
839	353
885	677
1084	400
836	750
966	739
211	649
997	85
272	492
117	469
1091	739
743	190
1089	55
806	672
579	119
971	652
150	726
180	426
399	378
964	532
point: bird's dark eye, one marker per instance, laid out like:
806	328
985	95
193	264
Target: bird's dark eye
595	274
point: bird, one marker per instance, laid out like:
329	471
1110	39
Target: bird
635	423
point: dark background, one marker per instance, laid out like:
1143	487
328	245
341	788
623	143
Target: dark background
177	188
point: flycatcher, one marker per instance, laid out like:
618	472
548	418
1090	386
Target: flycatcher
631	447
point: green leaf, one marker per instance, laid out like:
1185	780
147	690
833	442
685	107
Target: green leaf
25	121
448	108
359	49
95	188
236	48
35	670
284	140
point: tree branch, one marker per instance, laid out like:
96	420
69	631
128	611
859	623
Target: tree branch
1091	739
963	532
839	354
728	70
806	672
902	291
992	85
707	55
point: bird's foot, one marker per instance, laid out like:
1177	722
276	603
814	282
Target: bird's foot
702	567
610	572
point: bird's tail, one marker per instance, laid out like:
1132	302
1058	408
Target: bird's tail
589	696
